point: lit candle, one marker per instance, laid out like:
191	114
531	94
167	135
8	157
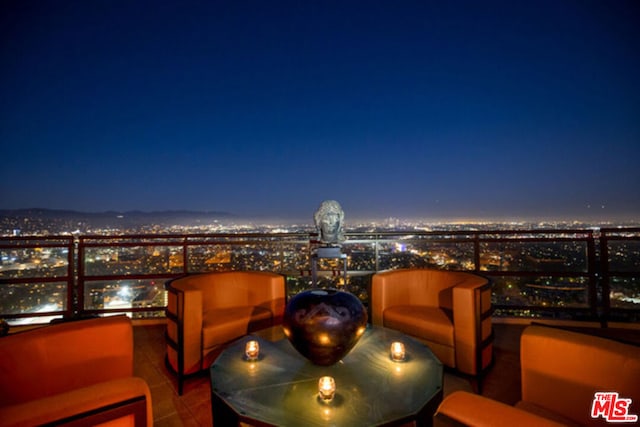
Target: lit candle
326	388
252	350
397	351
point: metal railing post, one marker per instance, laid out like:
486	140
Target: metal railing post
605	277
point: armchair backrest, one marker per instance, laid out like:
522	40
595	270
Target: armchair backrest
427	287
65	356
239	289
562	370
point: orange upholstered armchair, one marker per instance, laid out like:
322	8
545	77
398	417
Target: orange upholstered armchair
449	311
73	373
561	372
207	311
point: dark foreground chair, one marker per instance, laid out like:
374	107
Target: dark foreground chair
561	373
73	373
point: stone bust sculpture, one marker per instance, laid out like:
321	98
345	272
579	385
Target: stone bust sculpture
328	219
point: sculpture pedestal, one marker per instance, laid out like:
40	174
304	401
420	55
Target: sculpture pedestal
329	252
333	252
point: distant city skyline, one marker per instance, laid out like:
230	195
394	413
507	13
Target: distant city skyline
45	221
454	110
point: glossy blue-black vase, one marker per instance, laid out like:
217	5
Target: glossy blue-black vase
323	325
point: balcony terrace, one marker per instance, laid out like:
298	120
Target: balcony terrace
584	279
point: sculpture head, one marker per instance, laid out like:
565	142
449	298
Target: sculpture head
328	219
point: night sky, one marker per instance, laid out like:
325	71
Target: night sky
430	109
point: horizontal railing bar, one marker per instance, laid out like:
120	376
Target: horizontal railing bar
131	244
353	272
31	238
623	274
34	246
621	238
88	278
85	237
22	280
478	232
180	244
515	233
535	273
35	314
533	239
123	309
541	308
620	230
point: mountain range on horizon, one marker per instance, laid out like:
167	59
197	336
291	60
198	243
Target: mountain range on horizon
61	213
185	216
26	219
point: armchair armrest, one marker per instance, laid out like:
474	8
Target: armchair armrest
273	296
378	300
128	399
185	313
472	324
470	409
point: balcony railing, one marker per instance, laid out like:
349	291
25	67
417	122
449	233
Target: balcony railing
563	274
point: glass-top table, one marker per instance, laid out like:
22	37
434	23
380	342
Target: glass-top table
281	387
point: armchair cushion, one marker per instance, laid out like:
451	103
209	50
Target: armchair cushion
425	321
226	324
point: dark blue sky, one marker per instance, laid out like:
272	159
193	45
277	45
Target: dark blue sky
447	109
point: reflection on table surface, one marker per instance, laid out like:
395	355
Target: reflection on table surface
281	387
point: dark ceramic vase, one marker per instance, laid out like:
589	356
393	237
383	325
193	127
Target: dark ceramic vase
324	324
